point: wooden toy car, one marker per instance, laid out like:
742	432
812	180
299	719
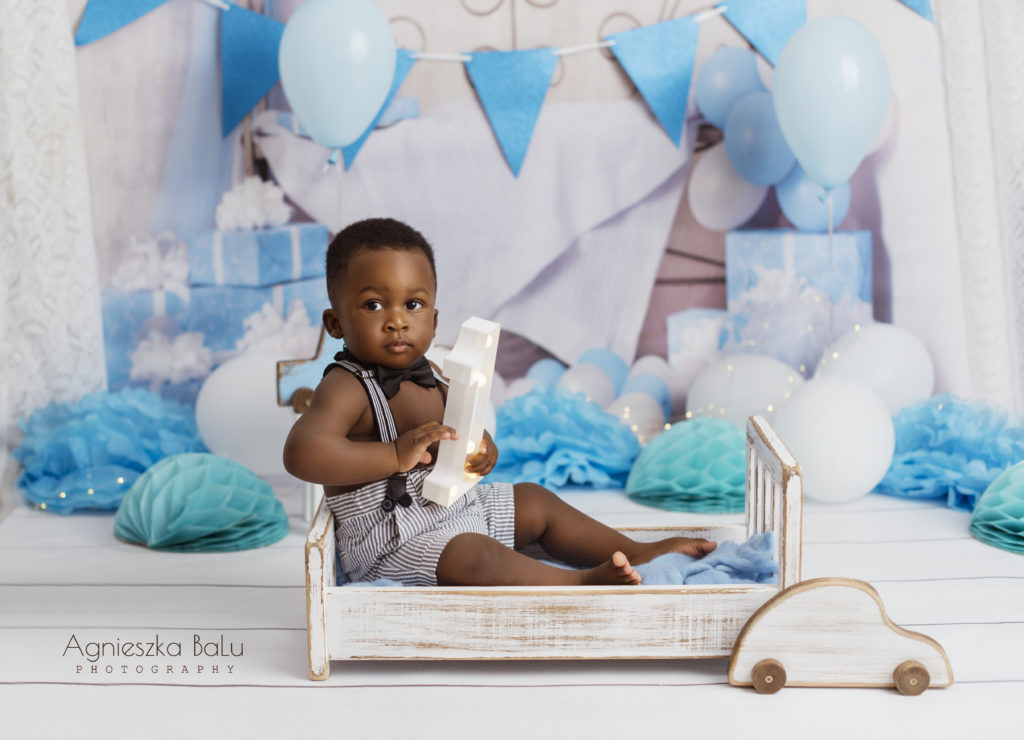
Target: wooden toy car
833	632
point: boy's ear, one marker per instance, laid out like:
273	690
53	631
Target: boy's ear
435	320
333	325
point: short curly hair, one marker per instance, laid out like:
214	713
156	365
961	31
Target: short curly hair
374	233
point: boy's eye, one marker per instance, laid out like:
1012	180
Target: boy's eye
373	305
414	305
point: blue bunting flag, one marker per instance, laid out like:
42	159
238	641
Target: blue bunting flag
922	7
403	64
767	24
103	17
659	59
511	86
248	62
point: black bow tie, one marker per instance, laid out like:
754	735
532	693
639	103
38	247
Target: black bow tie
391	378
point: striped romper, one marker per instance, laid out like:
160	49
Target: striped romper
386	529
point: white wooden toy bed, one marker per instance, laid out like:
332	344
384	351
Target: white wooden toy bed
531	622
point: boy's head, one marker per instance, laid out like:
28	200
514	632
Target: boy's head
382	282
372	233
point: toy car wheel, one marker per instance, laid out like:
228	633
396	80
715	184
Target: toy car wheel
911	678
768	676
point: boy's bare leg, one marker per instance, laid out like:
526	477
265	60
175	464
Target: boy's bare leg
471	559
573	537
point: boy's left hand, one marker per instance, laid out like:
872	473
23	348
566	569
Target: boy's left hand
483	460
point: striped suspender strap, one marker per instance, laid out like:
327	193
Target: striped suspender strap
386	430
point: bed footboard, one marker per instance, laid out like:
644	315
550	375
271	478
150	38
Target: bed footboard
774	496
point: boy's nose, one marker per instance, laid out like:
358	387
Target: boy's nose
395	320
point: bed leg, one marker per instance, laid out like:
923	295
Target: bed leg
320	576
316	628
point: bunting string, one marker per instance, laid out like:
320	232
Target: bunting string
511	85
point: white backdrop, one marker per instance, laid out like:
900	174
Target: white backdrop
983	65
131	89
52	341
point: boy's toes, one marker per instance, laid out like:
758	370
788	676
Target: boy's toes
626	571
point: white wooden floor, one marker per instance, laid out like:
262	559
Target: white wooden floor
66	579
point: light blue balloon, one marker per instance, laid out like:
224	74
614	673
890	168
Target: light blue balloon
725	77
803	201
753	141
337	60
831	90
653	386
614	366
545	372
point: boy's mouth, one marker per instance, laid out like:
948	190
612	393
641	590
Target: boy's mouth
397	347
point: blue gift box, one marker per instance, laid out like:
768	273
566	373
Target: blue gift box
694	333
258	258
219	311
128	318
777	266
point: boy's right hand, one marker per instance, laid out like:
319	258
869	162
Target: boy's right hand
411	446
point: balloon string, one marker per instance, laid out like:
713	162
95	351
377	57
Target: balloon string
332	160
429	56
831	270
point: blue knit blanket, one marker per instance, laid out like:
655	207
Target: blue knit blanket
749	562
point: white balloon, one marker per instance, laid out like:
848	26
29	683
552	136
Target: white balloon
591	381
685	370
651	365
437	354
720	198
889	359
738	386
238	416
641	413
842	436
518	387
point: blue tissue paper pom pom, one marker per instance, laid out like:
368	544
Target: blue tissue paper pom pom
199	502
87	454
555	438
950	448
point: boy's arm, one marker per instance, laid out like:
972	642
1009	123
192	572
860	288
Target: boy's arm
318	448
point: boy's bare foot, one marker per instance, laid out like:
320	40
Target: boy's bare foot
615	572
645	552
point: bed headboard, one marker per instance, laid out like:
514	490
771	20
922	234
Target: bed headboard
774	496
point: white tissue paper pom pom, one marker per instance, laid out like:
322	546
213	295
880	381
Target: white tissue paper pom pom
266	332
159	359
252	204
154	263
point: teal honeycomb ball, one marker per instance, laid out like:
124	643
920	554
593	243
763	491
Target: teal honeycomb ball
696	465
198	502
998	518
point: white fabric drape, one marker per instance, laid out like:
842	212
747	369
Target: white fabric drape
983	69
50	325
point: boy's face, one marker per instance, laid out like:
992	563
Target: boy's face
383	306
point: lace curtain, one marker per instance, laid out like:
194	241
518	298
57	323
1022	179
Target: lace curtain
983	70
50	325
